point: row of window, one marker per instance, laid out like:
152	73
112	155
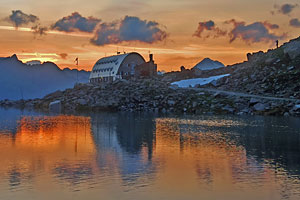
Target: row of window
103	70
101	79
100	62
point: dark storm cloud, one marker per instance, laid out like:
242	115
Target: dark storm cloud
76	22
253	33
208	26
295	23
128	29
106	33
285	9
18	18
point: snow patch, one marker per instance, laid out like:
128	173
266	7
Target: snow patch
201	81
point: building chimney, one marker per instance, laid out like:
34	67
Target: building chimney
150	57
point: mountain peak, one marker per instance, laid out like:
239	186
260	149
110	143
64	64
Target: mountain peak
208	64
207	59
14	57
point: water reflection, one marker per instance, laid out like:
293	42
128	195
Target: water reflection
263	153
134	156
60	146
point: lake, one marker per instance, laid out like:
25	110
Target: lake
143	156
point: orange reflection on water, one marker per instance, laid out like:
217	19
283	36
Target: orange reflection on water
118	157
48	145
68	133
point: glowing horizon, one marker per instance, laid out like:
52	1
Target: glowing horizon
183	33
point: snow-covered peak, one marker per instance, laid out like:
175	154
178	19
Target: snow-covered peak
208	64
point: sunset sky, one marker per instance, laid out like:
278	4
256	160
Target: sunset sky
177	32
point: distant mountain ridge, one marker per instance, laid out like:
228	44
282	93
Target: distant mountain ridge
208	64
21	81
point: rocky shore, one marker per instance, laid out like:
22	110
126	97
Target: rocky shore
273	73
154	95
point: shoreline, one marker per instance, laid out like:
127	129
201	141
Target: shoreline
155	96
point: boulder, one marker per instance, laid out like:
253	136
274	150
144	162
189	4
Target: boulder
197	86
55	106
228	108
245	110
296	107
171	102
217	94
194	104
286	114
253	101
82	102
254	57
270	61
259	107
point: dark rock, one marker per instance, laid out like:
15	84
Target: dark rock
259	107
253	101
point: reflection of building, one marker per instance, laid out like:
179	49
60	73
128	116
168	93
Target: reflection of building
124	140
64	148
109	153
122	66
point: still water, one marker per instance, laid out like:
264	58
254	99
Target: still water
138	156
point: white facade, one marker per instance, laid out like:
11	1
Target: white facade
115	67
